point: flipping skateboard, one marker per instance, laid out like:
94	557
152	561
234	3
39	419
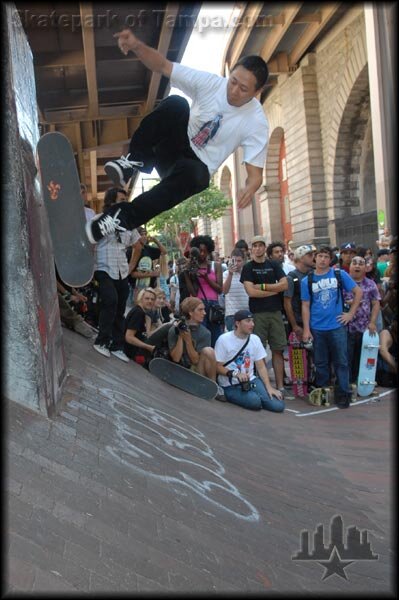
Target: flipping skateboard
183	378
73	252
297	356
368	364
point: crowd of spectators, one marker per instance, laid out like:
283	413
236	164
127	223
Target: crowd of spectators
224	314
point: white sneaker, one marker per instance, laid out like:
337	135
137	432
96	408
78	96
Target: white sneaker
121	355
102	350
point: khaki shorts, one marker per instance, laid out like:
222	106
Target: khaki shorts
270	328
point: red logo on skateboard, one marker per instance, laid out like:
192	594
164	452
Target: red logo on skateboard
54	189
370	363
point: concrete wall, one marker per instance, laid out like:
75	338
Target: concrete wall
32	338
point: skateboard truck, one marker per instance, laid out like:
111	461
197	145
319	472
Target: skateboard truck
320	397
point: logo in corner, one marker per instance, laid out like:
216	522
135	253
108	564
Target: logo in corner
342	551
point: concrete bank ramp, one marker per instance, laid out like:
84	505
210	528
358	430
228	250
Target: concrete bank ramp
137	486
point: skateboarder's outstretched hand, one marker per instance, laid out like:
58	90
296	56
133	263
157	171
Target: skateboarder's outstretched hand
126	41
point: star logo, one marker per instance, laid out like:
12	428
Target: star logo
334	565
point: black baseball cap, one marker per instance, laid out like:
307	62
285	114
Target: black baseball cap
240	315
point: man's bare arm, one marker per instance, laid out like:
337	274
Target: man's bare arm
252	183
151	58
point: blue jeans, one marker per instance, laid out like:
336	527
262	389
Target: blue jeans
334	344
255	399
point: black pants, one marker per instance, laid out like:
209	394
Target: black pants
113	295
162	142
355	340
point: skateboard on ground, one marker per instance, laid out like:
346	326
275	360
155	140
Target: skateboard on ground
368	364
73	253
183	378
297	356
320	396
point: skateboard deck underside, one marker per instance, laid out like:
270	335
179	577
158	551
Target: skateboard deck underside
298	366
73	252
368	364
183	378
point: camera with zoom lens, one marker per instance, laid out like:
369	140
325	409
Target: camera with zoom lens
181	326
193	264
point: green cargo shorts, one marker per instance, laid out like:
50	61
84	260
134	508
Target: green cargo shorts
269	326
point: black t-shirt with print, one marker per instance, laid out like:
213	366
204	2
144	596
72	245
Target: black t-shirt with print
269	271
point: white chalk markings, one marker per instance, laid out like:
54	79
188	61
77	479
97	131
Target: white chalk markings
157	444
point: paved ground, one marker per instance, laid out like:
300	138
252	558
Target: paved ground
136	486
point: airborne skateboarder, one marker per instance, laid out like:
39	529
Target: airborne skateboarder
186	146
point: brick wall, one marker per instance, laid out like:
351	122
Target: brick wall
323	111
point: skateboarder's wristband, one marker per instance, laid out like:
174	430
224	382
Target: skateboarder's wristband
263	287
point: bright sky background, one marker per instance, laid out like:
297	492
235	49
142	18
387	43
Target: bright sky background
204	51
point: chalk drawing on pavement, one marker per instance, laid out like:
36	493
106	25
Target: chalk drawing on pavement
157	444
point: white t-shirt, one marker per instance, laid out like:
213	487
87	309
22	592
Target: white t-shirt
216	129
236	298
227	346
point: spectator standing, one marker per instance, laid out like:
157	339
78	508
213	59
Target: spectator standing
276	251
236	297
304	262
111	271
237	353
387	369
347	252
382	261
242	245
365	316
264	280
142	274
205	281
324	321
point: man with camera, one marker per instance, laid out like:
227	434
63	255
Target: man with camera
237	353
190	342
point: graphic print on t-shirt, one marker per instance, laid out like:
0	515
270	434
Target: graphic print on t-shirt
145	264
243	362
325	291
207	132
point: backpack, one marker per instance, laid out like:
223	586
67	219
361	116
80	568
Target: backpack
338	275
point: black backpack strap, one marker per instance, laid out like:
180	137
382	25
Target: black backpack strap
340	287
310	286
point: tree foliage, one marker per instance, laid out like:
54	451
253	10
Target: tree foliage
210	203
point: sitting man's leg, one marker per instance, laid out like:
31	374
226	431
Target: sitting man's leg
250	399
207	363
268	402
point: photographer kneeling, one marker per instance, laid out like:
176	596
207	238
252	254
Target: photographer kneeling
237	352
190	342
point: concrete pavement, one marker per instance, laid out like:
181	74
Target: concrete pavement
136	486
